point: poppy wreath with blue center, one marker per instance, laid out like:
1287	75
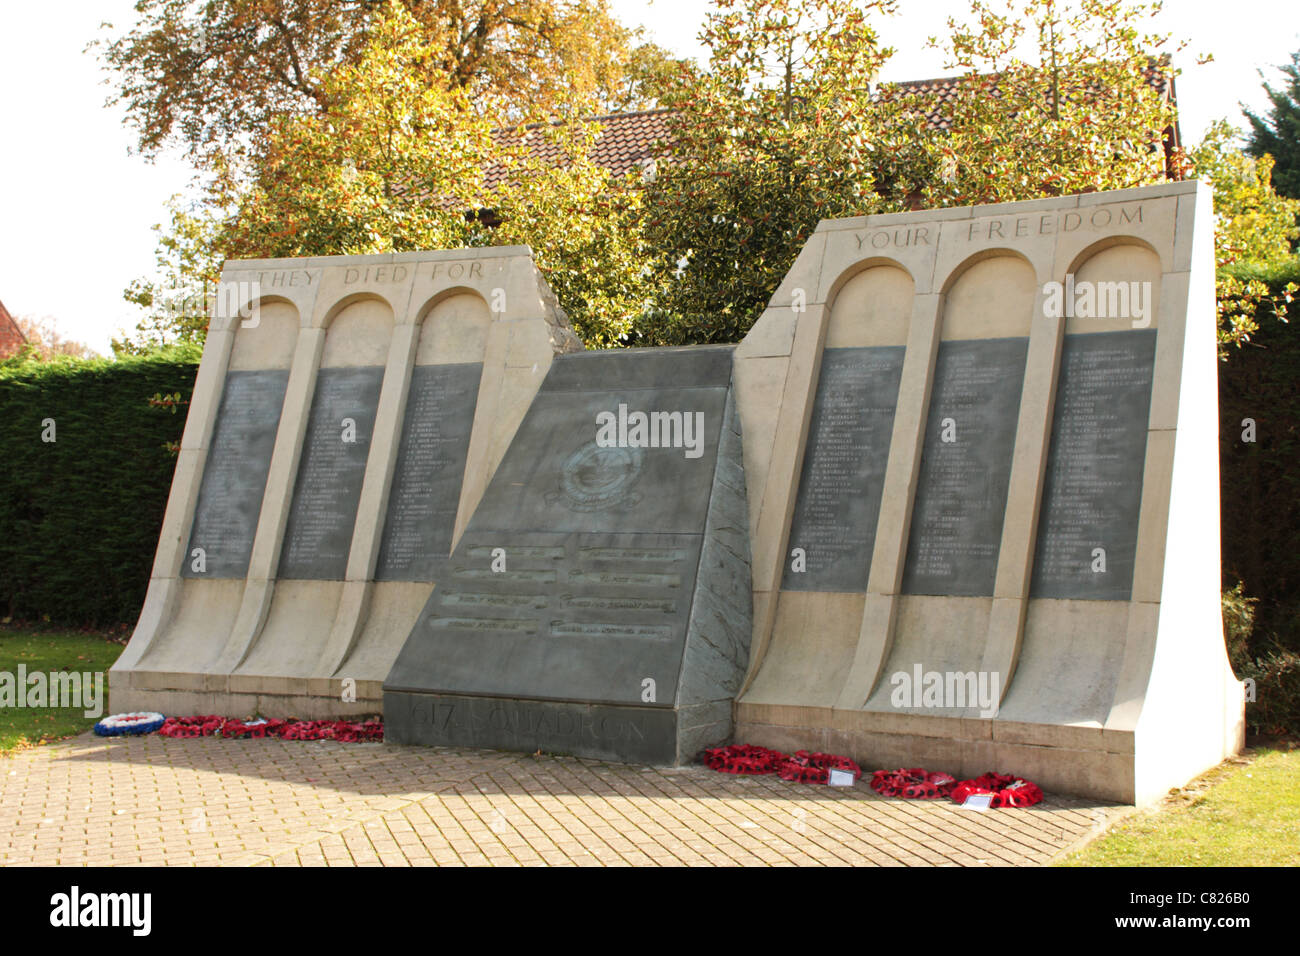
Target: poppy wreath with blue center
129	725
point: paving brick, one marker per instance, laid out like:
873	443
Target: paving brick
150	800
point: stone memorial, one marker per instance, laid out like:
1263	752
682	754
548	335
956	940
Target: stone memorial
1000	549
347	416
598	602
972	524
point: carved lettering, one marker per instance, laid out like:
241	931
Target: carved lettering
457	270
900	237
1102	217
286	279
375	274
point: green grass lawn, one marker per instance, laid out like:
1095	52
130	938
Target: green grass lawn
45	651
1243	813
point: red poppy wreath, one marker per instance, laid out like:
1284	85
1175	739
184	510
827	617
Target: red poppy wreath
1007	791
912	784
743	759
801	767
805	767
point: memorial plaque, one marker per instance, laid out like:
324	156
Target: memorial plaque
598	602
961	490
568	627
425	494
328	486
234	476
564	480
838	503
1093	487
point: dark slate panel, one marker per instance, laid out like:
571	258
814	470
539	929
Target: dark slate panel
692	366
328	487
1092	493
577	616
618	625
961	491
234	476
722	609
838	503
555	477
430	466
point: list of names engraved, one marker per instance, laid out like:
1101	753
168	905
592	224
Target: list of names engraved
961	492
330	472
234	477
430	465
1087	529
844	469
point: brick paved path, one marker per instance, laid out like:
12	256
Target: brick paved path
208	801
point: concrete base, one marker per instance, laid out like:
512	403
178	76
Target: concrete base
297	701
225	704
648	735
1080	760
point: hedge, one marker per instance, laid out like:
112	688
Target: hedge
80	515
1260	480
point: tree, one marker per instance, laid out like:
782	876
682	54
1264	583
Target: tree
784	129
45	341
1055	97
649	73
1278	134
212	77
400	160
1254	230
188	263
777	134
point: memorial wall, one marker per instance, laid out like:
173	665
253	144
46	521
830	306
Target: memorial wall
972	523
347	416
981	451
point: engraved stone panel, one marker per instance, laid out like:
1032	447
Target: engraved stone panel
328	486
234	477
1093	488
430	466
596	627
597	584
961	491
844	468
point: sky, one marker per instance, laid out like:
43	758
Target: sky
77	208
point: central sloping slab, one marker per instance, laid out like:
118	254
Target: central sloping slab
599	601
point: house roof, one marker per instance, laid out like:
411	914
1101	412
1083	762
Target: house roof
11	336
626	141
